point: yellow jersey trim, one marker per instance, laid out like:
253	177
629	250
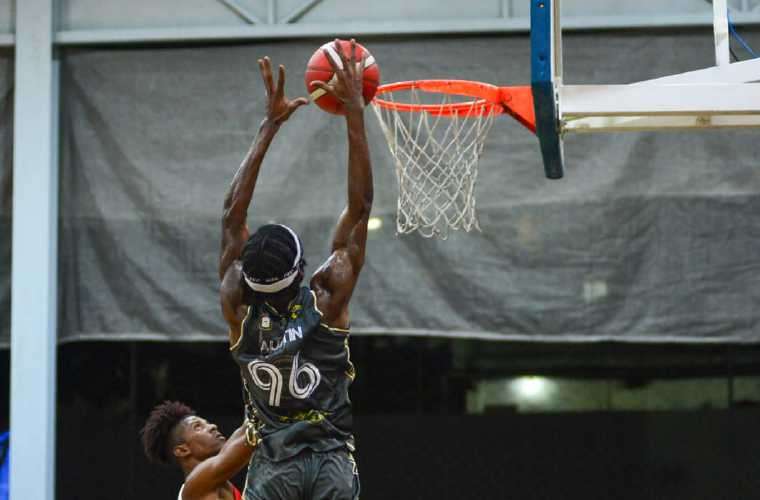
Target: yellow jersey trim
316	308
339	330
242	329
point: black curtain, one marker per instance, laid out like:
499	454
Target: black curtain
649	238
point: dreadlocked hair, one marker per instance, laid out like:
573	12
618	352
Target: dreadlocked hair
158	435
269	254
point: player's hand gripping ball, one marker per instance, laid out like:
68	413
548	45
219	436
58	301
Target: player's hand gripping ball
319	69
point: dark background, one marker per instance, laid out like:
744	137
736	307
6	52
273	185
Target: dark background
414	439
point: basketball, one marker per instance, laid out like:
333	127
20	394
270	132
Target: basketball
319	69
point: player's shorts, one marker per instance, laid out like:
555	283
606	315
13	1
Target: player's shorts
330	475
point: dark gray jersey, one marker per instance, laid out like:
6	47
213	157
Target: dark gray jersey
296	375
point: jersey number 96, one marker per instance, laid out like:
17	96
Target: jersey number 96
269	378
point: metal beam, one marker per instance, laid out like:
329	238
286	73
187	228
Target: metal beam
280	31
738	72
557	58
643	123
34	264
367	28
546	77
240	11
301	11
577	101
722	40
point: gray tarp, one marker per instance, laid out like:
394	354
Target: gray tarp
6	162
650	238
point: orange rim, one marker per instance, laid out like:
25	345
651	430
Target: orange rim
488	97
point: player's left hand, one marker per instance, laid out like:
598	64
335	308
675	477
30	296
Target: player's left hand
279	107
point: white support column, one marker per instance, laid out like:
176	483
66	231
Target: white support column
722	39
34	265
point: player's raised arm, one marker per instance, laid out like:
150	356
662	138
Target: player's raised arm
240	193
334	281
214	472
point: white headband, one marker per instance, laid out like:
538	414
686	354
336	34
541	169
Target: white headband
285	281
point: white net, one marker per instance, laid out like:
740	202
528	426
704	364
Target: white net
436	157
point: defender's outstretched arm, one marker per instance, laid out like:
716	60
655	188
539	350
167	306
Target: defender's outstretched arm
214	472
335	280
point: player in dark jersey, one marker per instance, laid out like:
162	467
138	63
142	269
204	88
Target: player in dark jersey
173	433
291	341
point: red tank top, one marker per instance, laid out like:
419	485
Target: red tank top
235	493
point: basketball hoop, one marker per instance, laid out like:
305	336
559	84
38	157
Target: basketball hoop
436	136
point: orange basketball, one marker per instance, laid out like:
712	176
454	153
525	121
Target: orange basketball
319	69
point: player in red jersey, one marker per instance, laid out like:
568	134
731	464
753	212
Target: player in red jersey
173	433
